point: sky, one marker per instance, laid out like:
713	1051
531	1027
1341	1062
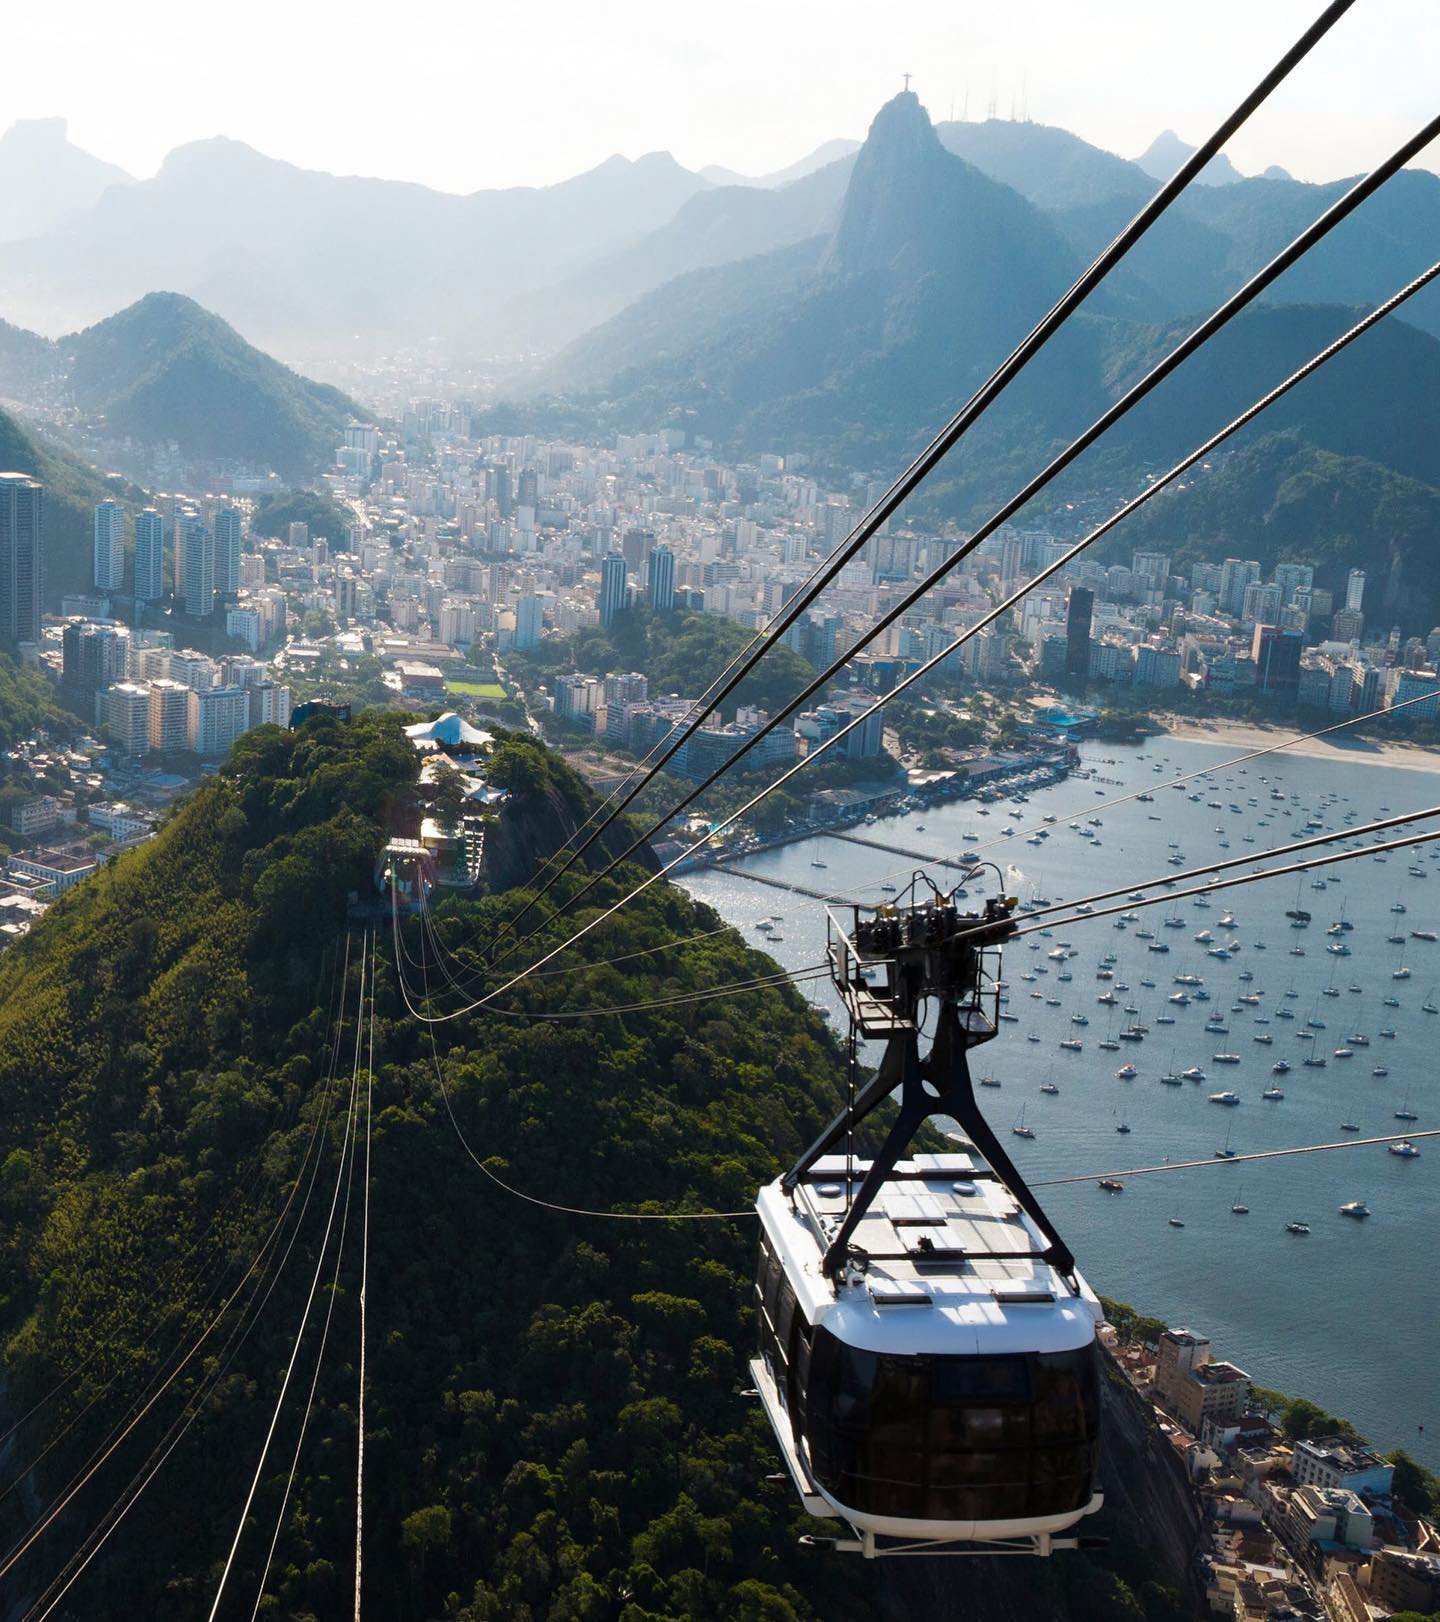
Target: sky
464	94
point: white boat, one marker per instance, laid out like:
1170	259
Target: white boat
1228	1099
1355	1208
1405	1149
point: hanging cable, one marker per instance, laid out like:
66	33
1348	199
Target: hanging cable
531	1199
729	988
305	1313
367	948
364	1285
1236	1160
574	968
249	1315
1171	782
968	414
252	1172
1335	215
1382	825
1226	884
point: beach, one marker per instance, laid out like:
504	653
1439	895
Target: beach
1238	736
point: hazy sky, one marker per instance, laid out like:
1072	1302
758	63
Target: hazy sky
461	94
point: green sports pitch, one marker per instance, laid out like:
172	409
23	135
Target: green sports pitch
477	689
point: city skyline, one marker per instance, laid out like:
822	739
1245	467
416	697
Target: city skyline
412	113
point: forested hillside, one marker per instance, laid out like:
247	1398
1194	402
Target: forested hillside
164	369
553	1424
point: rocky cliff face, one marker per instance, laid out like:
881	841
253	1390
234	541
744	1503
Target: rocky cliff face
535	824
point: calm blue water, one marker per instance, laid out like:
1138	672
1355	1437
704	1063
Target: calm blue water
1345	1316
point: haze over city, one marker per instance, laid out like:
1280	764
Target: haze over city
459	97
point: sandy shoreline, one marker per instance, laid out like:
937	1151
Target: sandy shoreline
1238	738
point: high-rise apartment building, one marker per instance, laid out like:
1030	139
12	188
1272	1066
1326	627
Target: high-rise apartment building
1151	567
127	716
1078	615
529	618
1355	591
93	656
1261	603
109	546
614	591
662	579
22	556
228	530
169	715
149	556
195	541
1276	653
1292	577
1235	575
216	718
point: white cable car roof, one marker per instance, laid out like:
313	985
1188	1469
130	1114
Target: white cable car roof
956	1266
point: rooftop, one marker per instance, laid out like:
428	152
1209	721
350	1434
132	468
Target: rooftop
944	1233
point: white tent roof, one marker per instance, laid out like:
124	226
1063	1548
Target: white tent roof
448	729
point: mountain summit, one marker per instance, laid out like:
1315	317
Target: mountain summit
1167	152
43	177
166	369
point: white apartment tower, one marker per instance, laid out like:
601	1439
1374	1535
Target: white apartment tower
149	556
228	533
169	715
109	546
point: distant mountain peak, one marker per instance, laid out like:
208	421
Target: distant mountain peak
1167	152
44	176
49	131
902	123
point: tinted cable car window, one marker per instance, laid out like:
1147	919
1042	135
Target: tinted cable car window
953	1438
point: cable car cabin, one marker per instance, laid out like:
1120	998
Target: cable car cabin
943	1387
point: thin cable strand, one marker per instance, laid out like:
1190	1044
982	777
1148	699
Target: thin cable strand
531	1199
1236	1160
364	1285
241	1329
305	1313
